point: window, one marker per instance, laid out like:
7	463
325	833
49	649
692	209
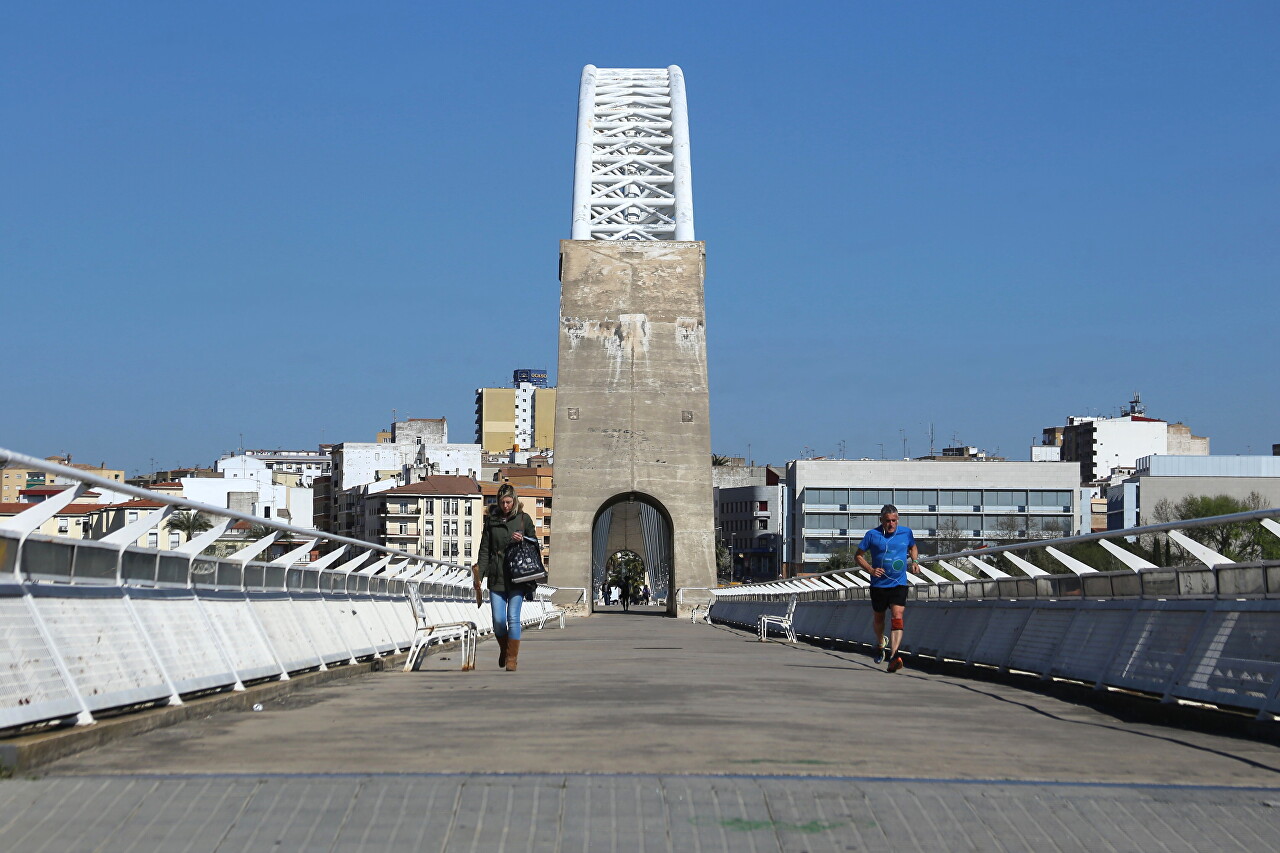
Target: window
404	528
1001	497
429	506
871	497
915	497
466	528
466	549
960	523
762	506
959	497
429	527
762	524
466	509
175	539
429	549
132	515
1053	499
153	539
63	525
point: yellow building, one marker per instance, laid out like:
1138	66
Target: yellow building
15	479
522	416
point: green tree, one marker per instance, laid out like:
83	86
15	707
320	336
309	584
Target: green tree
719	461
1240	541
724	564
189	523
626	565
844	557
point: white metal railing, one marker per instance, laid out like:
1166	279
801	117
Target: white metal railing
1207	632
92	626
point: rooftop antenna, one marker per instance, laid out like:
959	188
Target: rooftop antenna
932	451
880	444
903	432
841	445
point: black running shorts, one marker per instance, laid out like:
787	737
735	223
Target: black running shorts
883	596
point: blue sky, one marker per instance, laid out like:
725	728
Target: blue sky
286	220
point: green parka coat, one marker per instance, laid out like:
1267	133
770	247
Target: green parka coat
494	541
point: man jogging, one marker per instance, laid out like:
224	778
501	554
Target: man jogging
892	551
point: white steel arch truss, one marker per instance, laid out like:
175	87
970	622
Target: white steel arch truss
631	178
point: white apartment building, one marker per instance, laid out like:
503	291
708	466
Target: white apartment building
1105	446
1167	477
832	503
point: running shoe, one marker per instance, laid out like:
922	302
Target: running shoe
881	653
894	665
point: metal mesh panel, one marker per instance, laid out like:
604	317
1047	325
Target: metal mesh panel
964	625
48	559
396	617
103	650
1040	639
348	622
31	687
847	622
286	635
1236	661
236	630
809	620
927	628
1001	633
314	621
1091	639
178	632
368	616
1153	649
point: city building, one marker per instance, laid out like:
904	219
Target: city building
71	522
537	503
1103	446
1171	478
439	516
284	467
521	417
832	503
14	479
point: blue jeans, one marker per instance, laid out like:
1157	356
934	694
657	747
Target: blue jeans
505	607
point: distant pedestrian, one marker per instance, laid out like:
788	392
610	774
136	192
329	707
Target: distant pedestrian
505	522
625	588
892	551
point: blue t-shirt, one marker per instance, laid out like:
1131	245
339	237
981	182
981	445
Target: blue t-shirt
889	553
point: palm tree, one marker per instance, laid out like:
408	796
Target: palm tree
719	461
191	523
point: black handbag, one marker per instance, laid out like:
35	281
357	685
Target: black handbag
523	563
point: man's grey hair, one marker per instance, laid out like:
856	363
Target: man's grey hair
888	509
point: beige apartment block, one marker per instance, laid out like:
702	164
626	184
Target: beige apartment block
73	522
14	479
439	517
537	503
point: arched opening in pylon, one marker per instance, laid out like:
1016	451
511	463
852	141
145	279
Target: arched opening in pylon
632	529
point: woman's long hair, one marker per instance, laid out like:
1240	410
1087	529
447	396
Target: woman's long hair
506	490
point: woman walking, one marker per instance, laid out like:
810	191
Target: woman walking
505	522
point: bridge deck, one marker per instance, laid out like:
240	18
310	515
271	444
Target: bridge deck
696	730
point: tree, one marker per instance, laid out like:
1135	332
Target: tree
1239	541
844	557
724	564
189	523
719	461
950	538
625	565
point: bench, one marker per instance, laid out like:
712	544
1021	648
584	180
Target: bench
427	630
782	623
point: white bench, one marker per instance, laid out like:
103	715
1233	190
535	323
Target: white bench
782	623
426	629
549	610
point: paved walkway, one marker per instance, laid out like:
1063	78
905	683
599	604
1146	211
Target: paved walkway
647	733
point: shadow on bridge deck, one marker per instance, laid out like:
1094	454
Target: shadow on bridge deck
628	693
656	734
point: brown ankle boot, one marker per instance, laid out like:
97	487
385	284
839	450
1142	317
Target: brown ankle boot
502	651
513	653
